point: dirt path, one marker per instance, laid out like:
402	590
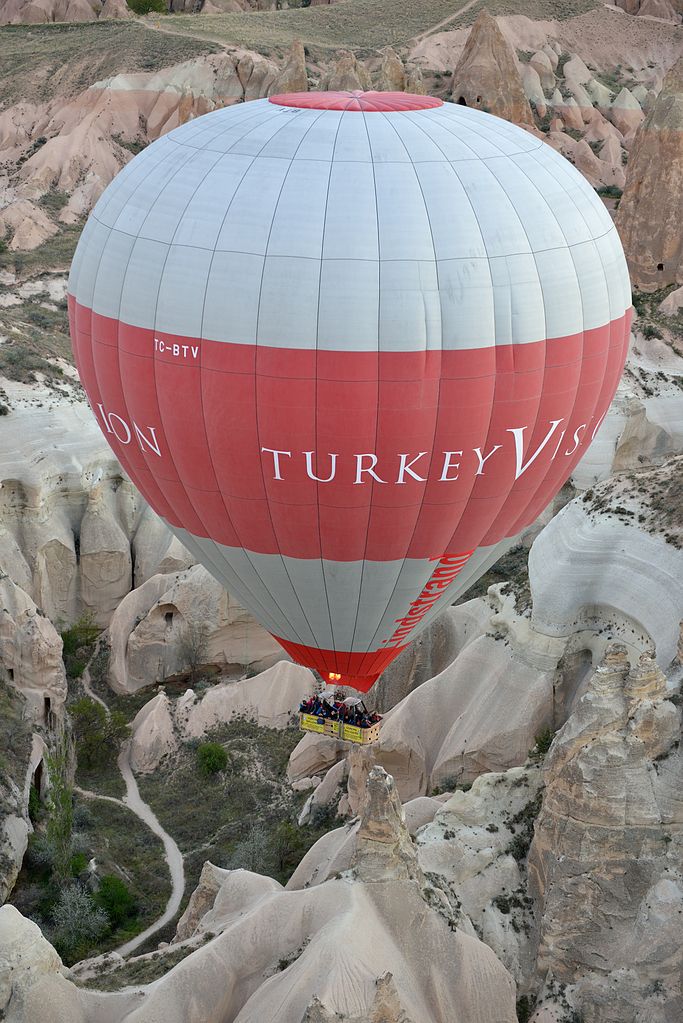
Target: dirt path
155	26
442	24
134	802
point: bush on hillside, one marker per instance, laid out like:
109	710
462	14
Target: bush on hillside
77	921
211	758
114	898
147	6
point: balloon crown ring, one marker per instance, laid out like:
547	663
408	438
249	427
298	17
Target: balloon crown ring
357	100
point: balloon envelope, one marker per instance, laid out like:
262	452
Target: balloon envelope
348	345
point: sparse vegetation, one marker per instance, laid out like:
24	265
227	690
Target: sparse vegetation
77	55
542	744
512	569
78	642
193	647
235	819
357	24
522	827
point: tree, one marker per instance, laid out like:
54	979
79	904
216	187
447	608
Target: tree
114	898
211	757
59	827
251	852
287	846
193	647
77	921
98	734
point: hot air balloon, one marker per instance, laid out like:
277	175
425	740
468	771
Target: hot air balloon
348	346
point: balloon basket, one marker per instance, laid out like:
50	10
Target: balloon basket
347	720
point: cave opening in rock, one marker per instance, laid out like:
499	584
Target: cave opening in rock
660	266
47	708
168	618
462	102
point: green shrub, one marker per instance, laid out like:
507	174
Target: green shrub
211	757
98	735
114	898
34	804
79	861
82	633
543	743
4	410
147	6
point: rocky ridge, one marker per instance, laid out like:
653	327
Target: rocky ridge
653	195
343	949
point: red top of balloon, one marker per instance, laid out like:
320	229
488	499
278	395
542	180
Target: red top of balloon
367	102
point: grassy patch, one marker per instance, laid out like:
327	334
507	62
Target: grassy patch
40	61
123	848
216	818
54	254
357	24
651	321
139	970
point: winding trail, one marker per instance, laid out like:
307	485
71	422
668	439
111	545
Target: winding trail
134	802
442	24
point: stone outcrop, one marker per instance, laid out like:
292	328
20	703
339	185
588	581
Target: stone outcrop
31	654
154	626
153	735
428	655
292	77
67	515
605	860
384	849
611	563
625	112
346	74
476	847
40	12
487	75
377	945
26	225
649	214
665	10
450	730
271	699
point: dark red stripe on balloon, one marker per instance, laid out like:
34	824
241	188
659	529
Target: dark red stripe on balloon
188	419
357	100
358	670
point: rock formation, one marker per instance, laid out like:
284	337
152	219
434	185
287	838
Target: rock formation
605	859
292	77
271	699
611	562
155	627
649	214
487	75
38	12
347	73
666	10
384	849
30	653
377	945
